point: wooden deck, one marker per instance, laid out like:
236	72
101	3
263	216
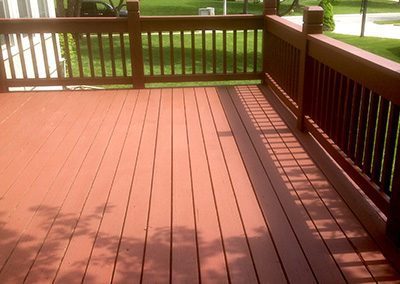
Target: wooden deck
181	185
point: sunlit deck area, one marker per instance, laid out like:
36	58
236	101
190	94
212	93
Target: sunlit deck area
179	185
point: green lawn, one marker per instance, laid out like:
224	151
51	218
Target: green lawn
385	47
351	6
190	7
393	22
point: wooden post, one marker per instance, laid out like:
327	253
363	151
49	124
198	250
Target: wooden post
393	220
3	76
269	9
312	24
135	39
312	20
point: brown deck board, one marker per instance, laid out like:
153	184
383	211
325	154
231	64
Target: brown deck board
238	255
271	202
9	105
169	185
301	188
100	266
257	232
212	260
328	202
26	137
12	202
184	255
156	266
129	260
55	180
57	239
21	186
81	243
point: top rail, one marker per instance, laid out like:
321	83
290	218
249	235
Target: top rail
63	25
148	24
377	73
284	29
173	23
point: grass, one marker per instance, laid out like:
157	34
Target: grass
348	6
393	22
385	47
190	7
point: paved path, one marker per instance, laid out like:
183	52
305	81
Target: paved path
351	24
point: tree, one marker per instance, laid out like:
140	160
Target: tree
118	7
288	9
328	21
246	6
72	8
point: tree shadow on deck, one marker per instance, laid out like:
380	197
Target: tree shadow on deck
33	256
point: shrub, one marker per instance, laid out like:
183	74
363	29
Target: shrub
328	22
71	48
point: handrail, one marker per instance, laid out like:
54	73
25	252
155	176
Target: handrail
284	29
231	22
379	74
347	98
63	25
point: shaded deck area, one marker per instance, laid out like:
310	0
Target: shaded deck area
181	185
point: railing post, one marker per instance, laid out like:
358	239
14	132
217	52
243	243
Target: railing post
3	76
135	40
393	220
312	24
269	9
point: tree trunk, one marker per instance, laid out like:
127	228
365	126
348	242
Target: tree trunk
78	6
246	6
60	10
224	10
74	8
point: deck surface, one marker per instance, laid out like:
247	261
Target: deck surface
169	185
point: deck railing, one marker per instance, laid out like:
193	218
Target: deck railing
133	50
347	98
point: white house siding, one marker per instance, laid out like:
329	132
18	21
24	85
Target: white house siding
34	12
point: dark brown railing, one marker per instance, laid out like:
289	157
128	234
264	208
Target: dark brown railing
133	50
347	98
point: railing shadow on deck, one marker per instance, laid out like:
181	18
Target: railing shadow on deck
303	189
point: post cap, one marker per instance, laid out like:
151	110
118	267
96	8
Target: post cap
270	7
313	19
313	15
132	5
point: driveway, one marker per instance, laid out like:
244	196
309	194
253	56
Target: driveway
351	24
